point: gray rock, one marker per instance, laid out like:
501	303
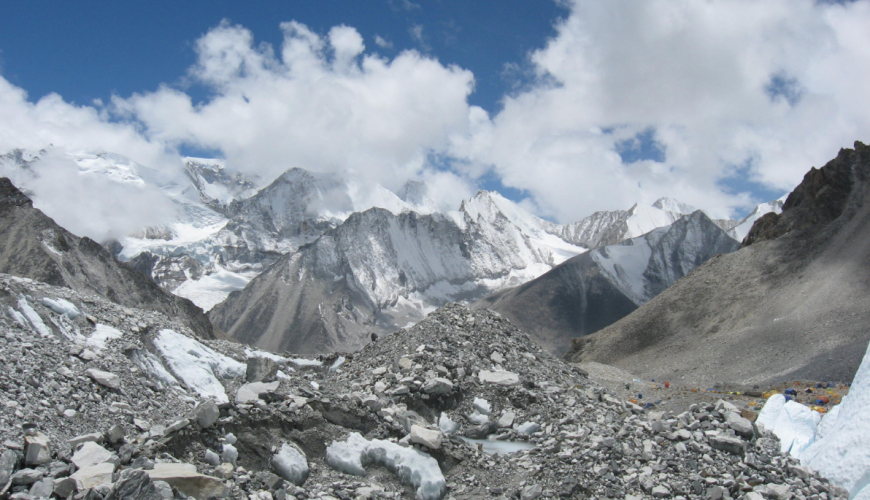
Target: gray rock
134	485
27	476
37	449
261	369
661	491
206	413
740	425
291	463
438	386
426	437
106	379
481	431
729	444
8	461
531	492
94	475
507	419
185	478
116	434
92	454
63	488
42	488
498	377
96	437
177	426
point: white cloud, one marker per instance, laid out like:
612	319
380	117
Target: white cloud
323	105
695	71
383	42
89	205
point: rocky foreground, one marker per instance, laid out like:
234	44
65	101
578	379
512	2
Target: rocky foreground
101	401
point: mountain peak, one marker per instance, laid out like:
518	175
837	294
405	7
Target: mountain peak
672	205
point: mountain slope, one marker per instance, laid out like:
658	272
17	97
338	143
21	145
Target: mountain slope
33	246
793	303
595	289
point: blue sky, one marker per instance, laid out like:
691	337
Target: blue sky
567	107
94	49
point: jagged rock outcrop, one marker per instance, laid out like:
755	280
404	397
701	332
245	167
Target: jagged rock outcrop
793	303
597	288
33	246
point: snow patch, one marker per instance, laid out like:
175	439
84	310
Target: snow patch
101	335
212	289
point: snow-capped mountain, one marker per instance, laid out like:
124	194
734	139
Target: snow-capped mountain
379	271
608	228
597	288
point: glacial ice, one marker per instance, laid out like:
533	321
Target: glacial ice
838	447
61	306
291	464
447	425
198	366
412	466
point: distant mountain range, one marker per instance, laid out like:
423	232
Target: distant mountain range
324	261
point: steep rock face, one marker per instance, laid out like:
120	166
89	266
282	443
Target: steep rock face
793	303
820	198
597	288
33	246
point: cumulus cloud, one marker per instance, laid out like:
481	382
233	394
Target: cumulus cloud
87	202
87	205
761	89
321	104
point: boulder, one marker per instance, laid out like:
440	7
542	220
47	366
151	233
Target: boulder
27	476
729	444
92	454
106	379
498	377
185	478
429	438
37	449
134	485
261	369
8	460
206	413
437	386
94	475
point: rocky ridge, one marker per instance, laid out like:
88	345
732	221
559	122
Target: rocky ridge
34	246
792	304
88	419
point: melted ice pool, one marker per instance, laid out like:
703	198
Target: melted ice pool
501	447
